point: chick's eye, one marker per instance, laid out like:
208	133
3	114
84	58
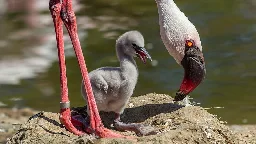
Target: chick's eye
134	45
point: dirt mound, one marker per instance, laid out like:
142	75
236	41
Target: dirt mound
245	133
173	123
11	120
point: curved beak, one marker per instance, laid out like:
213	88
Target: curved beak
142	53
194	67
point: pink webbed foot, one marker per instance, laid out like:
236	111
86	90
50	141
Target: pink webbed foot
66	120
82	122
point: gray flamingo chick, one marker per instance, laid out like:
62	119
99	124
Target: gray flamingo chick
113	86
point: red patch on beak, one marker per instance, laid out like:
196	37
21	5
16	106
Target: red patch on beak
187	86
142	56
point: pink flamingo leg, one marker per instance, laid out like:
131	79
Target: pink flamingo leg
65	116
63	11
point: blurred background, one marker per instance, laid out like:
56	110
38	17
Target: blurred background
29	73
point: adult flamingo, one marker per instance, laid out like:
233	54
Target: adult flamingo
62	12
182	41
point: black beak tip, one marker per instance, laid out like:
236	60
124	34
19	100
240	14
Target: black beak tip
179	96
149	57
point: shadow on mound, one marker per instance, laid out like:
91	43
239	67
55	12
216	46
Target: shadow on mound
139	114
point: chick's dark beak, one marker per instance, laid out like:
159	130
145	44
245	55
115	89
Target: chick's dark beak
142	53
194	67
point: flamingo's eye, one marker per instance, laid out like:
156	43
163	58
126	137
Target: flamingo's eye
189	43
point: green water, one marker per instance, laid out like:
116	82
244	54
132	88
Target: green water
29	73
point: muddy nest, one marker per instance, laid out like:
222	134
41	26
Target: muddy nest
173	124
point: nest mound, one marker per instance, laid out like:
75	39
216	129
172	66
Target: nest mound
173	123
